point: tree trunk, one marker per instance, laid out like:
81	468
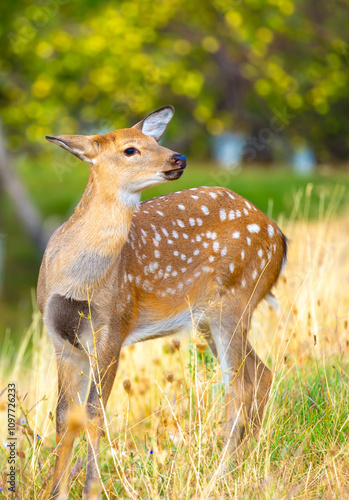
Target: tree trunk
26	211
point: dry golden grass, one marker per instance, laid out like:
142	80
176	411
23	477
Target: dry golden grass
164	416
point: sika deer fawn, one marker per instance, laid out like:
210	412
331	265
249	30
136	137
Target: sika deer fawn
145	270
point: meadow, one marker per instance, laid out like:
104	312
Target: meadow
164	421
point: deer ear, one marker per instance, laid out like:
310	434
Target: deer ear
155	124
82	146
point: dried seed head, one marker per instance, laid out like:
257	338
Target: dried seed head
201	346
169	377
176	343
127	385
77	420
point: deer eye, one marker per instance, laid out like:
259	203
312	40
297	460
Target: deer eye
130	151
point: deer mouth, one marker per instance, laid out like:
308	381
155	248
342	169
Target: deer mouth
172	175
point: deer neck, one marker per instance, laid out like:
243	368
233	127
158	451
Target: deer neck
95	234
103	217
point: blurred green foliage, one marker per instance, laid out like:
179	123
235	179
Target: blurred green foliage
87	66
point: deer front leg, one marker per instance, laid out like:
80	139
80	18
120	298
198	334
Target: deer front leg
72	388
103	375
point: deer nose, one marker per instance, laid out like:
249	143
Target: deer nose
180	160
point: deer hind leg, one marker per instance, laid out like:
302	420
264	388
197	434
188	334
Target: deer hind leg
103	371
247	380
72	387
261	378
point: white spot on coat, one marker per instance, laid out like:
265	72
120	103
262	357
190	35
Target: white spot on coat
207	269
222	214
253	228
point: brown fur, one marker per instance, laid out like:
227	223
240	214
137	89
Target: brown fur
143	271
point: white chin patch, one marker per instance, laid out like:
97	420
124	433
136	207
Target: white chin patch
129	199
